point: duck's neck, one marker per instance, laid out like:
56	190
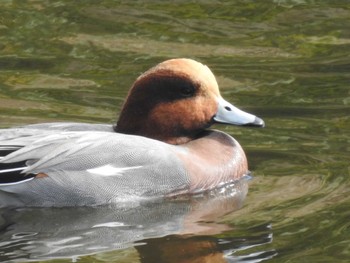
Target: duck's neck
153	133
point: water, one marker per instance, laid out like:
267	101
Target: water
286	61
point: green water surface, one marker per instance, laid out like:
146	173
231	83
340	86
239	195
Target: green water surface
287	61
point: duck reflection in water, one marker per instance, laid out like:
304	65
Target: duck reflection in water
179	230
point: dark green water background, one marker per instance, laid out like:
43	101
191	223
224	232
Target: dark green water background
287	61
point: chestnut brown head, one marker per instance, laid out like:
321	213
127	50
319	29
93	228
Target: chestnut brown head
175	101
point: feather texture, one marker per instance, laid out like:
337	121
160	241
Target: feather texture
74	161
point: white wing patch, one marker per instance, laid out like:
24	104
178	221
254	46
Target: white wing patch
110	224
109	170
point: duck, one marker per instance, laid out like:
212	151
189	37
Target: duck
160	147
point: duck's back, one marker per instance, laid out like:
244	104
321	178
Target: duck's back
89	167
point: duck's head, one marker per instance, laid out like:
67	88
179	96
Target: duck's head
176	100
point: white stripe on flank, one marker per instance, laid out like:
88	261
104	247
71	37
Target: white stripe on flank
12	170
19	182
109	170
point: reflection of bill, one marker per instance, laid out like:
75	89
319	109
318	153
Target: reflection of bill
73	232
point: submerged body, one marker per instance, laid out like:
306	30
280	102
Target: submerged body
160	146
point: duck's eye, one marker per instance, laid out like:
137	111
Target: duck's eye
187	91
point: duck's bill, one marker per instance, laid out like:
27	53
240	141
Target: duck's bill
229	114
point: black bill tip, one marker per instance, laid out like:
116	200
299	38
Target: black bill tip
256	123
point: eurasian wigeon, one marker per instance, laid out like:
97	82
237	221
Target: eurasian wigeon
160	146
